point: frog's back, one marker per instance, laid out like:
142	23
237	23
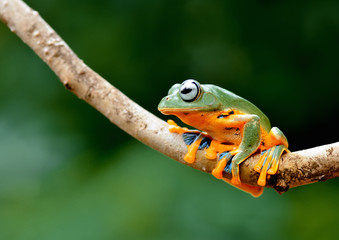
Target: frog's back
231	100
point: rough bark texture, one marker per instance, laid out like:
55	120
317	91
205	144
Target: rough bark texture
297	168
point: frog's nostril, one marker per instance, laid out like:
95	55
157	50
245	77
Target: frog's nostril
167	98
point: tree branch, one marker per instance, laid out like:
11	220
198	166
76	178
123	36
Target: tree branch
297	168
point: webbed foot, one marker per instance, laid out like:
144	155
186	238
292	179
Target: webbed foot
225	164
192	150
225	156
194	140
224	161
269	162
197	140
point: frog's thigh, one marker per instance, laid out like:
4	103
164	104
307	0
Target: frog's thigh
250	143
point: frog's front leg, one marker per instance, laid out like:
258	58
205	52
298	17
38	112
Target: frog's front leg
174	128
251	138
192	138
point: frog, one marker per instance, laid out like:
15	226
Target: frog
228	127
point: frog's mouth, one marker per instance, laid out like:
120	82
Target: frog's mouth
173	111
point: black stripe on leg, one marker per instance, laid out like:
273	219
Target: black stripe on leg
190	138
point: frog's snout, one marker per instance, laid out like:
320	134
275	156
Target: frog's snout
162	103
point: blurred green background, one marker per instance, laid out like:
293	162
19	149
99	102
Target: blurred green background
67	173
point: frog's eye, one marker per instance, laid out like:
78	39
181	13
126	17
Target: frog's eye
190	90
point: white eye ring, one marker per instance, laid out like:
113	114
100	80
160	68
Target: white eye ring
190	90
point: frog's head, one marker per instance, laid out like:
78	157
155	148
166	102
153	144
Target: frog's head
189	96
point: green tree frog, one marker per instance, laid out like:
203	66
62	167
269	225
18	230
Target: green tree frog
230	129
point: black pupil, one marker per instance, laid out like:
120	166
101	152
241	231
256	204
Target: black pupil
186	90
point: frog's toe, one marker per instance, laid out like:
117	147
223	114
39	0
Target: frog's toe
174	128
269	163
223	163
217	174
228	156
265	162
211	155
278	151
236	181
275	164
211	151
259	164
177	129
192	150
217	171
172	123
194	139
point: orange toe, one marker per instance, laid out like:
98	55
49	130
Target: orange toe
192	150
235	181
217	171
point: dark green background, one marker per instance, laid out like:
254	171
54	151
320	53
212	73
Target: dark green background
67	173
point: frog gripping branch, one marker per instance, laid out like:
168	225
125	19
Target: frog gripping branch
232	129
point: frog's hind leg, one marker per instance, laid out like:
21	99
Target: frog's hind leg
276	142
225	164
269	162
224	158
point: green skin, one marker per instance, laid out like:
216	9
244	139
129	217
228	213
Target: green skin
214	98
